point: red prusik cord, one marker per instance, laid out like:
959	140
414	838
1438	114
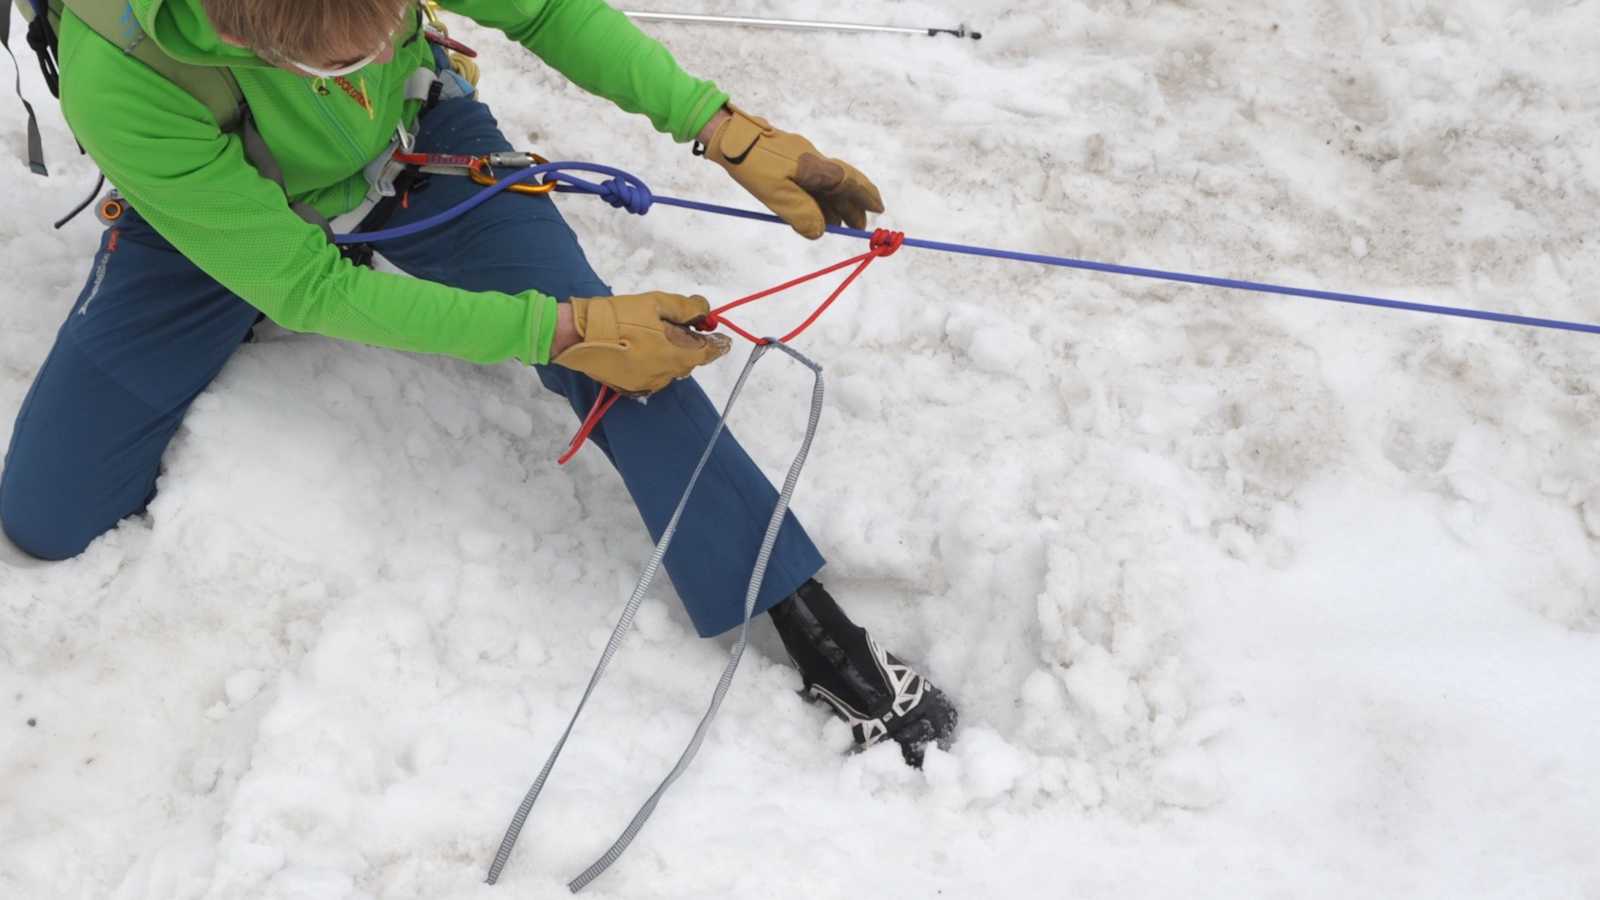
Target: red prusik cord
884	243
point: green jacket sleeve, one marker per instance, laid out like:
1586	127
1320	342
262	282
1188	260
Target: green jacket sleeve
602	51
164	152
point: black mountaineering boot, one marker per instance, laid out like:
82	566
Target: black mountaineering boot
871	690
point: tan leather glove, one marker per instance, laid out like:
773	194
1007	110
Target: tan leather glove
787	173
637	343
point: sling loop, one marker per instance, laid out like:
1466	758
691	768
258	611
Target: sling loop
631	608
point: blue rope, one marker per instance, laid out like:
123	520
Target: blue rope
627	191
622	190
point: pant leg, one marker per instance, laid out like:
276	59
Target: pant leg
515	243
148	332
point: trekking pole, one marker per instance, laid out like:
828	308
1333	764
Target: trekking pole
960	31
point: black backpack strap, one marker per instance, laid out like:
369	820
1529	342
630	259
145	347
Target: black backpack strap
42	38
35	142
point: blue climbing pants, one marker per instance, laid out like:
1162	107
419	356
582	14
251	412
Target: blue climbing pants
150	331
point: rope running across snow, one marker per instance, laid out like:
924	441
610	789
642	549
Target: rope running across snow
629	192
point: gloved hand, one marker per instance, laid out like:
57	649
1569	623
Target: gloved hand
637	343
787	173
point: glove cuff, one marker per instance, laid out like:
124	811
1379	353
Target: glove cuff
733	139
595	320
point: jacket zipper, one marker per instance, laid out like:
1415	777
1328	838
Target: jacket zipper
333	119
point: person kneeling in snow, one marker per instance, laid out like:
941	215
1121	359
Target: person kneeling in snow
210	245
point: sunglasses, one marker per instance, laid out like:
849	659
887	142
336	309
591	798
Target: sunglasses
349	68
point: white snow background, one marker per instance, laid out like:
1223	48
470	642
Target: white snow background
1241	596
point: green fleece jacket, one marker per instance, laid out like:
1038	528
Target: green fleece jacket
165	153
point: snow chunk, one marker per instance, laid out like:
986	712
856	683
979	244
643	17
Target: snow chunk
1098	685
990	765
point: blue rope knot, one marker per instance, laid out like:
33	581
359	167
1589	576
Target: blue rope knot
627	192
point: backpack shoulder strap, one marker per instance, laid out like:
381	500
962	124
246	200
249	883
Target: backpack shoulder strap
214	86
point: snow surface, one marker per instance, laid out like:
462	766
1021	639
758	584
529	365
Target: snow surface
1241	596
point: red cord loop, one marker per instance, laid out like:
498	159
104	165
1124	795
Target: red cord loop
886	242
883	243
603	401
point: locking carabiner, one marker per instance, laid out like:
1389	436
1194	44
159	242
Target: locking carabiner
482	171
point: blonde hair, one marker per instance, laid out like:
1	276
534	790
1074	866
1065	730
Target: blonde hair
310	30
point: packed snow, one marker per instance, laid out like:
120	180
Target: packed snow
1241	596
